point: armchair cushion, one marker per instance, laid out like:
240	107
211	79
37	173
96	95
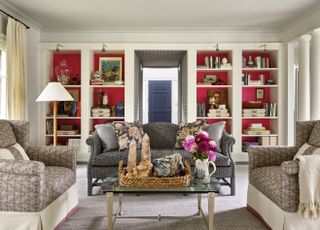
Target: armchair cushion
7	137
215	132
186	129
290	168
108	137
13	152
314	138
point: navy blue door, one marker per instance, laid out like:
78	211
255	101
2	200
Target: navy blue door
159	101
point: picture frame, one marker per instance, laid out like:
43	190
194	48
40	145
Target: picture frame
111	70
211	78
217	98
260	94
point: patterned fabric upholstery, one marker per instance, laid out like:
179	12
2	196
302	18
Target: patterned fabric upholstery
274	173
29	186
7	137
162	134
163	139
314	138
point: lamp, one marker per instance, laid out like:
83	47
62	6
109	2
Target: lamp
55	92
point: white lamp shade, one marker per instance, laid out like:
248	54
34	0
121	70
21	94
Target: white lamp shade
54	91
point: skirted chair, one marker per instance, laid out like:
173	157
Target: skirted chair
273	192
38	193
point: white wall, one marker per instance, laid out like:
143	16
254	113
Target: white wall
170	74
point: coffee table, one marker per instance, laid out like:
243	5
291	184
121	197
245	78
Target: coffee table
111	186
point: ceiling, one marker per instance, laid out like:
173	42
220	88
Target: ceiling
160	58
103	15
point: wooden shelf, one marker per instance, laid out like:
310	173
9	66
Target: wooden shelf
107	86
73	86
214	70
214	118
258	69
106	118
214	86
260	118
259	86
267	135
63	118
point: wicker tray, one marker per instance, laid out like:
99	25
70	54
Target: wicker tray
155	182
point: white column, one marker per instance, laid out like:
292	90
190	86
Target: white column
315	75
304	78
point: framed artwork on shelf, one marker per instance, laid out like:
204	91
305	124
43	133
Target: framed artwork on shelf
216	98
259	94
111	70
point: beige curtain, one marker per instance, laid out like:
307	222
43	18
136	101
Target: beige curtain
17	97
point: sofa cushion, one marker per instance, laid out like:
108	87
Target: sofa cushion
186	129
13	152
162	134
58	180
215	131
314	138
108	136
111	158
268	180
126	132
7	137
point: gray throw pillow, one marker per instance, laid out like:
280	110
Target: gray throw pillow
108	137
7	137
215	132
314	138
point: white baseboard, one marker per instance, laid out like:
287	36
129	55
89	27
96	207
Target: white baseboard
240	157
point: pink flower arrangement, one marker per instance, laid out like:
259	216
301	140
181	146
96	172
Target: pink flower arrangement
200	146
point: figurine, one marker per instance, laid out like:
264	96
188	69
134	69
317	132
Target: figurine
105	101
146	150
132	156
100	98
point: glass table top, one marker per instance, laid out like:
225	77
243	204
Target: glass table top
111	184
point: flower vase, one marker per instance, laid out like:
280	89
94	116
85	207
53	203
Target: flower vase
202	170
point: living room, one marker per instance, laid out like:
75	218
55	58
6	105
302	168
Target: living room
142	116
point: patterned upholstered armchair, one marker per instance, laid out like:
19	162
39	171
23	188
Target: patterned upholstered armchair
40	192
273	192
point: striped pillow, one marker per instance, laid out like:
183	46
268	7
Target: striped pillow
13	152
307	149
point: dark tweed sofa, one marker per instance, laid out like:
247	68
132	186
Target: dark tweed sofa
162	140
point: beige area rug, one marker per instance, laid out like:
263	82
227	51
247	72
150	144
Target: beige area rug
230	211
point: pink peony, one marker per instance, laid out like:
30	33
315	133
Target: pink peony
189	144
203	147
213	144
212	155
202	136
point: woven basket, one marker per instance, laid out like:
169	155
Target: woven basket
155	182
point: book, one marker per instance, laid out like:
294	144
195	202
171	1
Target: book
254	110
262	132
100	110
264	141
273	141
218	115
218	111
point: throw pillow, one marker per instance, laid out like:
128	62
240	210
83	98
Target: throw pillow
126	132
314	138
307	149
186	129
13	152
215	132
7	137
108	136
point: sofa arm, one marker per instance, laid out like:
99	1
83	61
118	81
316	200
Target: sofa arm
63	156
95	144
22	186
227	143
290	168
269	156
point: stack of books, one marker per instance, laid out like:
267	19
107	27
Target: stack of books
96	82
254	112
268	141
201	110
271	109
256	129
100	112
218	113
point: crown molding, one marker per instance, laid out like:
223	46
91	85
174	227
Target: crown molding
10	9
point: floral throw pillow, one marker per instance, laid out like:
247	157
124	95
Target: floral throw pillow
126	132
186	129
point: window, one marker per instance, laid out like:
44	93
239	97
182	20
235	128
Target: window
3	96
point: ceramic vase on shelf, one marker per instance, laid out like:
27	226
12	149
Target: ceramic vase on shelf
202	170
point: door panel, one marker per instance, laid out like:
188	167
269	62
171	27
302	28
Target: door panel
159	101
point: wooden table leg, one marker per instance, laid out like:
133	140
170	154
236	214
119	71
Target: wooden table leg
211	196
109	199
120	204
199	203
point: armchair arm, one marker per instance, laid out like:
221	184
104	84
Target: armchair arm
22	186
227	143
63	156
95	144
290	168
269	156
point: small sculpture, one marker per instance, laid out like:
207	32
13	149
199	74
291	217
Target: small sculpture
146	150
105	101
144	169
132	156
168	166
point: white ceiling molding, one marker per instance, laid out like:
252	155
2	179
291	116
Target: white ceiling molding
10	9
